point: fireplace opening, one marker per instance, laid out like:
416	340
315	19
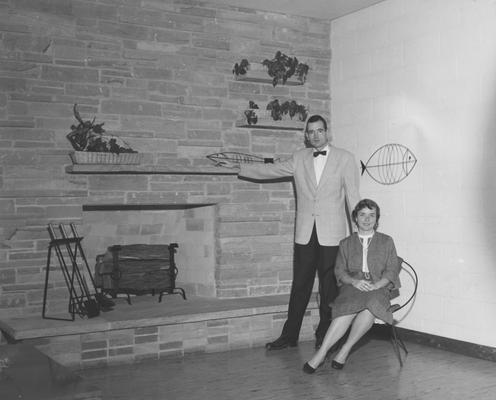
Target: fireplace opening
191	226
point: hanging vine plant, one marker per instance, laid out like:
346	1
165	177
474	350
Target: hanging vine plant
250	114
283	67
291	108
241	68
275	111
280	68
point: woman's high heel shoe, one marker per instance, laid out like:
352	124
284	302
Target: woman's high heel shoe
336	365
308	369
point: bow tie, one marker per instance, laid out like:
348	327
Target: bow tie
318	153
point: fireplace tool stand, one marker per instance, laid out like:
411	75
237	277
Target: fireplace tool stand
82	300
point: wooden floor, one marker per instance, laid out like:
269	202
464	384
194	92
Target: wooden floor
372	372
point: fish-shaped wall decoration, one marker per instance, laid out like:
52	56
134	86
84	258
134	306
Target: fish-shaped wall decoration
390	164
240	158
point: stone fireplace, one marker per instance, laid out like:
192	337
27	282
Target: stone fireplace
159	75
235	237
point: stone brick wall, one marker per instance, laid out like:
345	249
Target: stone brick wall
158	73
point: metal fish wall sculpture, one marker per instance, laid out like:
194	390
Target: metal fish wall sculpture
390	164
240	158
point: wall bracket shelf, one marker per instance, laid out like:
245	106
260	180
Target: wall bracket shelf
146	170
261	77
274	126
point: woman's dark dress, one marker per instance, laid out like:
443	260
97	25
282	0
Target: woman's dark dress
382	262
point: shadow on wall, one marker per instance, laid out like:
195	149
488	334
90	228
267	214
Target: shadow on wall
488	181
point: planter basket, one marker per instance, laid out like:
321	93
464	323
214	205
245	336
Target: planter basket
88	157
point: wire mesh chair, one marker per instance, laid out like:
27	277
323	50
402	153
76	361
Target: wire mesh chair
396	340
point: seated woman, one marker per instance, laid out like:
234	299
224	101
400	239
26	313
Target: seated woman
366	270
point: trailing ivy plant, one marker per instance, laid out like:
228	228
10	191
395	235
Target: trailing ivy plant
291	108
283	67
280	68
241	68
302	71
250	114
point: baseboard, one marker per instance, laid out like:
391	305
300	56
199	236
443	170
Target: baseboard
440	342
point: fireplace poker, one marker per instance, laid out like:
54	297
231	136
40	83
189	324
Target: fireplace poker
91	306
75	301
105	303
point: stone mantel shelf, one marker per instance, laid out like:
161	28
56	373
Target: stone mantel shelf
146	169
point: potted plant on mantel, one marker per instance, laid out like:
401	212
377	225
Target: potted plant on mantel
281	68
93	146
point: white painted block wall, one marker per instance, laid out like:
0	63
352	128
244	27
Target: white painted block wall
423	73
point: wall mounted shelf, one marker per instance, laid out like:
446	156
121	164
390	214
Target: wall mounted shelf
257	73
284	65
146	170
265	121
271	125
261	76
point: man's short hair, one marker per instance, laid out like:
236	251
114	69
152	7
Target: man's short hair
316	118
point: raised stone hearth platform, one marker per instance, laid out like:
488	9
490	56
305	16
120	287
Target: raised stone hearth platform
26	373
147	329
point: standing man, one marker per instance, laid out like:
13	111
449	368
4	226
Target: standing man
324	177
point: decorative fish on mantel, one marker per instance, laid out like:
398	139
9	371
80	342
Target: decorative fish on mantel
240	158
390	164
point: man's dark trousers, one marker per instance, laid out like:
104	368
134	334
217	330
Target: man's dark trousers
310	258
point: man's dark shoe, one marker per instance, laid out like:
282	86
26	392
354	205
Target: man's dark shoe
281	343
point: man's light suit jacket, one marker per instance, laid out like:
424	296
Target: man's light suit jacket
322	204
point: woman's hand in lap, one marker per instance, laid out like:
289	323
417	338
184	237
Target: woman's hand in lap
363	285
